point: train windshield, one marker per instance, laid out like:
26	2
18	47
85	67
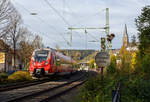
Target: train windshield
41	55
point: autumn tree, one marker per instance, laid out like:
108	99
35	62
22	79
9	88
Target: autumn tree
111	69
125	57
28	43
91	63
143	26
133	40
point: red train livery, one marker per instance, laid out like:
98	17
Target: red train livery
48	62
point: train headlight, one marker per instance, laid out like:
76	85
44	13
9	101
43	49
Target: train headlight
46	62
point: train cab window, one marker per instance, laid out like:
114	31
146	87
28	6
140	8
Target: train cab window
41	55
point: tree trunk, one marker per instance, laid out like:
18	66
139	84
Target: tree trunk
14	55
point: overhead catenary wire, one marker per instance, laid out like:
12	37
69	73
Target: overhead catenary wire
79	22
43	22
47	2
87	17
65	21
53	42
52	27
93	36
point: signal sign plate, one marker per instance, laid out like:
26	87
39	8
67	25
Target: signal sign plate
102	59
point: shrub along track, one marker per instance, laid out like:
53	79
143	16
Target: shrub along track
26	93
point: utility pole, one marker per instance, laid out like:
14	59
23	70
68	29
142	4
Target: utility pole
106	28
107	21
70	37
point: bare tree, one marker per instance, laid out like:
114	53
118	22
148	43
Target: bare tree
37	42
25	46
14	32
6	9
28	43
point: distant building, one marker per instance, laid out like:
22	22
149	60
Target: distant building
125	37
6	57
115	51
128	45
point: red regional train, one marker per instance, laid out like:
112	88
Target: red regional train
47	61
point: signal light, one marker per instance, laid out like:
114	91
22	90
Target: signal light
103	46
110	37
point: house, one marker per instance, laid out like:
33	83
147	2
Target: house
6	58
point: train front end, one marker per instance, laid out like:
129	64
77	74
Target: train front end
40	62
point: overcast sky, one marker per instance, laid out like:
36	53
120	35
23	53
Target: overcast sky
52	21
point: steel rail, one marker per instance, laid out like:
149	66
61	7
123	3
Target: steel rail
62	92
24	97
115	99
22	84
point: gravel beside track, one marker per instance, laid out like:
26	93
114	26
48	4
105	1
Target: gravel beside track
21	93
60	91
22	84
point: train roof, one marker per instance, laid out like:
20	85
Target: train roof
50	49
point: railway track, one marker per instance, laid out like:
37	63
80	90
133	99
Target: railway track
36	92
22	84
62	91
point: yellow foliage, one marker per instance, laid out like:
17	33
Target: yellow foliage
133	61
112	57
19	76
91	63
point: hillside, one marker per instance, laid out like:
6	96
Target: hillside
77	54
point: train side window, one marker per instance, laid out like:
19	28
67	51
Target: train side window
52	60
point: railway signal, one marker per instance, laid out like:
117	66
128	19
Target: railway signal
109	40
103	46
110	37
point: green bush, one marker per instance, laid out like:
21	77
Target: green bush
136	90
111	69
19	76
3	77
96	91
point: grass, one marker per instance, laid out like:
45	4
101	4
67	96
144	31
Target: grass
19	76
3	77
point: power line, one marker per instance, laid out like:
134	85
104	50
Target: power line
59	15
57	12
39	33
87	17
40	19
43	22
93	36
